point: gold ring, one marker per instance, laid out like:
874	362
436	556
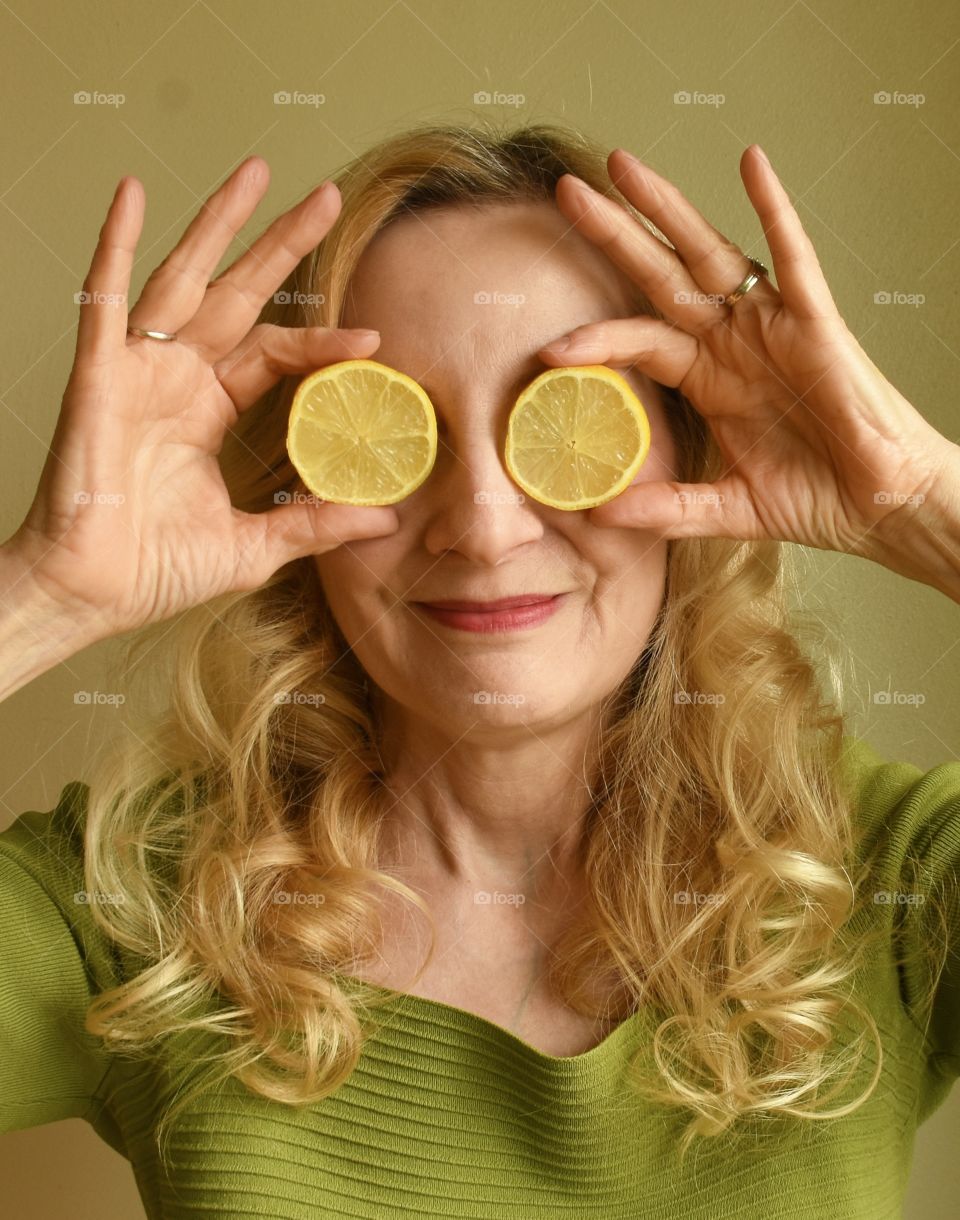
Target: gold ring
162	335
757	269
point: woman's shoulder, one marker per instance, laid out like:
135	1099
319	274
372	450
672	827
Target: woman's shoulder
42	866
901	809
48	844
908	817
54	959
42	851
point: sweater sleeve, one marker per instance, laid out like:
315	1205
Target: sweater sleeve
910	820
53	960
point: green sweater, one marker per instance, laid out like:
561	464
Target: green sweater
448	1114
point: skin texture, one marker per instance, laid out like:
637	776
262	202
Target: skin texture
490	797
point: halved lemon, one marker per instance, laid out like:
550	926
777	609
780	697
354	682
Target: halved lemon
360	432
576	436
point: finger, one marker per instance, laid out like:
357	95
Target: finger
716	264
270	352
648	261
664	352
103	309
681	510
233	301
802	284
175	289
280	535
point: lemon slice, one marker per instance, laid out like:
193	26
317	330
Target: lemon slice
576	437
360	432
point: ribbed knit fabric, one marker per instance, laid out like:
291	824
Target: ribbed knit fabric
449	1115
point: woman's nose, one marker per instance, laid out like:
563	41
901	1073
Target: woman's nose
475	507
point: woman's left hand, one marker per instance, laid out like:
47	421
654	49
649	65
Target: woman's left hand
820	448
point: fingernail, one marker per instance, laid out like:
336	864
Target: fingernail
558	345
366	334
763	156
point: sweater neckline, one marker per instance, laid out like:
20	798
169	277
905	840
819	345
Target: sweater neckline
458	1020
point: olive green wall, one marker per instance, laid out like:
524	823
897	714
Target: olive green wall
875	183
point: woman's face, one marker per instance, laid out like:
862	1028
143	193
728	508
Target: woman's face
463	299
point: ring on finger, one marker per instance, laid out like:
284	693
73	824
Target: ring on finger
757	269
163	335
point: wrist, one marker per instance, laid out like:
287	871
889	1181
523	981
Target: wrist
37	631
922	539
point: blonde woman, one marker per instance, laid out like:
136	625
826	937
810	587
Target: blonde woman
649	933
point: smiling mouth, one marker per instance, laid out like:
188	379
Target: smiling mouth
509	614
503	603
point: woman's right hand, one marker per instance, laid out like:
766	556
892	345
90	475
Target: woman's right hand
132	521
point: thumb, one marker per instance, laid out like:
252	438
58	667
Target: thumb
672	510
281	535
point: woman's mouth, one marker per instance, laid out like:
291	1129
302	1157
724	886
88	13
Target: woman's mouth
506	614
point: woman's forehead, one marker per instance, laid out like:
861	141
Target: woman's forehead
462	295
530	247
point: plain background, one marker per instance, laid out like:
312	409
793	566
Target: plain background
875	185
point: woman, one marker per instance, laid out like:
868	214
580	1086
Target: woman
327	934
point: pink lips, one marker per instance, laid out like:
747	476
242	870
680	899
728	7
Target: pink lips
508	614
505	603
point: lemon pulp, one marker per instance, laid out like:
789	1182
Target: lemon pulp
576	437
360	432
